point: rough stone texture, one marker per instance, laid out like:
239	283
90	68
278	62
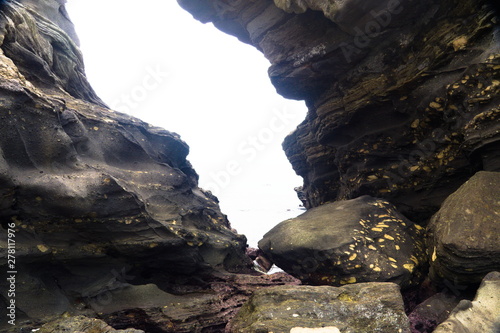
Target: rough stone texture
432	312
81	324
482	315
464	235
199	304
97	200
359	240
330	329
173	303
402	95
359	308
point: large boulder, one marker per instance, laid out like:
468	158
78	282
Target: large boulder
91	200
464	235
482	315
358	240
358	308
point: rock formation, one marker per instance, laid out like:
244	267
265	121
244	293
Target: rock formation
464	235
480	315
103	208
402	94
403	100
359	240
82	324
357	308
109	222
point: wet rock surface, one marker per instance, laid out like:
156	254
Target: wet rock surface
363	307
464	235
359	240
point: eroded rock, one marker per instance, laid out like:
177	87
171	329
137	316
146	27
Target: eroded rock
403	95
359	308
464	235
359	240
96	199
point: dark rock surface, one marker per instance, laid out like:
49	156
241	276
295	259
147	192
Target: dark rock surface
403	100
109	221
97	201
402	95
432	312
199	304
359	240
359	308
464	235
482	315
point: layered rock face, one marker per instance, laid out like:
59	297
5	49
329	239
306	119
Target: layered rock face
402	95
464	235
403	100
109	222
96	201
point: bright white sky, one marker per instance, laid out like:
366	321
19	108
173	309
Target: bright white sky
151	59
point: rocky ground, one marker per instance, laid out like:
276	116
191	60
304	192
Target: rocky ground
399	154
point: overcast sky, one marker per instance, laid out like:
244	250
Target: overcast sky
154	61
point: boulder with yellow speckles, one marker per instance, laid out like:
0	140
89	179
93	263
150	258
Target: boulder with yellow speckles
358	240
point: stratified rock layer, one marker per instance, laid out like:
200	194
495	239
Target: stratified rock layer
402	95
464	235
359	240
95	199
359	308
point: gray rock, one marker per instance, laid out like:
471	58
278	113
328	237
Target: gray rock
94	198
81	324
358	308
55	12
359	240
482	315
464	235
